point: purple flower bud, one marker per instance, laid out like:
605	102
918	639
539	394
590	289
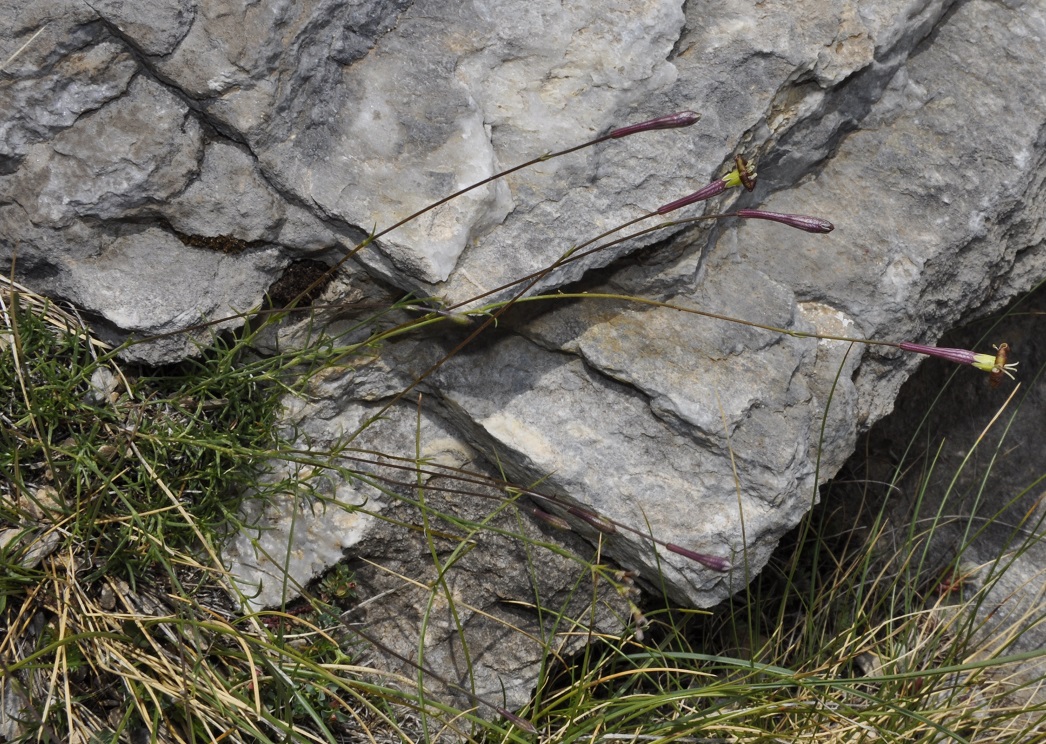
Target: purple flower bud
671	121
708	561
593	519
959	356
707	192
551	519
798	221
522	723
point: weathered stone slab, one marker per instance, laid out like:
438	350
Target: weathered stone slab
132	136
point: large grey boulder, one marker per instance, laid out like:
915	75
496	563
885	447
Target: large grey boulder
137	139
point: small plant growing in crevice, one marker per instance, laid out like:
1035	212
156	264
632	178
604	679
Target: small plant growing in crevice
118	489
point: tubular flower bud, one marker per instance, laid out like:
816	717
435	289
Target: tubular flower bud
670	121
995	364
593	520
743	174
709	561
550	519
522	723
798	221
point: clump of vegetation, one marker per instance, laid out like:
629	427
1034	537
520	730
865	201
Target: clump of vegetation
120	622
118	619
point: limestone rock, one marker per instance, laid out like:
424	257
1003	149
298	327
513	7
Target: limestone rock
138	143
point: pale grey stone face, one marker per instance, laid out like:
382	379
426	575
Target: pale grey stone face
297	128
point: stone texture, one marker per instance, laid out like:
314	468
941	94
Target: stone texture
56	71
132	135
501	572
154	29
101	199
75	176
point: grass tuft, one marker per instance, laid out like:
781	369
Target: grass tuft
118	620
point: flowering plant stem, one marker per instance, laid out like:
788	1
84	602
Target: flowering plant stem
995	364
677	120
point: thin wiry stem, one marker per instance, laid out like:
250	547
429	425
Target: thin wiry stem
597	521
670	121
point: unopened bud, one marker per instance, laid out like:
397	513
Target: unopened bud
671	121
593	519
550	519
709	561
707	192
522	723
798	221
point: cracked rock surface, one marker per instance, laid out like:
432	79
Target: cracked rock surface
131	134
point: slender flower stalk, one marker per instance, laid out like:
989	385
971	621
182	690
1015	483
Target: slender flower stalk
743	174
995	364
600	522
677	120
998	365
